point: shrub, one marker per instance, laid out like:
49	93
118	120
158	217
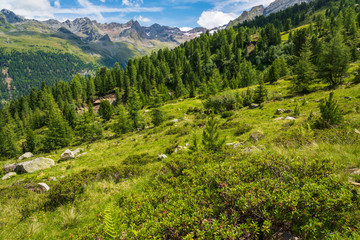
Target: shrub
211	138
227	114
242	129
225	102
330	113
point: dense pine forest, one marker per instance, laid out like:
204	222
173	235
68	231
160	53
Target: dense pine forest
231	85
39	67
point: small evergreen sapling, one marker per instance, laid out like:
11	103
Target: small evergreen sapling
211	138
330	113
260	93
157	117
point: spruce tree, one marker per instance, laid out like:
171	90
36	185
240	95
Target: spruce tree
260	93
331	114
8	141
211	138
122	122
304	70
31	141
105	110
334	61
157	117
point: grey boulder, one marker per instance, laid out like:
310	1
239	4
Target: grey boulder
26	155
34	165
10	167
67	155
9	175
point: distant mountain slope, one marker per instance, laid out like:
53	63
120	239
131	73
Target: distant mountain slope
279	5
83	44
246	16
274	7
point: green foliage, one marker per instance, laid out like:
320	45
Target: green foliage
157	117
297	110
211	138
334	61
8	145
105	110
109	221
225	102
331	114
260	95
31	141
304	70
122	121
87	128
242	129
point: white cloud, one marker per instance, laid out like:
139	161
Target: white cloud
142	19
102	1
29	8
212	19
185	29
42	10
57	3
132	3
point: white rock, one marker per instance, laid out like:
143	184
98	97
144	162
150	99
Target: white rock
162	156
289	118
9	175
175	120
44	186
67	155
278	119
77	151
26	155
34	165
80	155
357	131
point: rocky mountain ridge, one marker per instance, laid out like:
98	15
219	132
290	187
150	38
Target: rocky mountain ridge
275	6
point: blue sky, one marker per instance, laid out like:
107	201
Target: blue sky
183	14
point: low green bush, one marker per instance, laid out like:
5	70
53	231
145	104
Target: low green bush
231	196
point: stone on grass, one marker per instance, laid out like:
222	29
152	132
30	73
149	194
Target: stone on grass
44	186
175	120
82	154
26	155
280	111
34	165
9	175
289	118
253	106
10	167
357	131
67	155
77	151
162	156
278	119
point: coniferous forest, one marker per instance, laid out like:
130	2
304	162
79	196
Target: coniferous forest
246	133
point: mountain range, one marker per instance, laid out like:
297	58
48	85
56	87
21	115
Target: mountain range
83	45
276	6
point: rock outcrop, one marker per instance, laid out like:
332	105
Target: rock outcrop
279	5
248	15
34	165
9	175
26	155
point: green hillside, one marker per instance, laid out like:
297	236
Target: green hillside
250	133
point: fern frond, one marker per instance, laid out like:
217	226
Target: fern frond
109	221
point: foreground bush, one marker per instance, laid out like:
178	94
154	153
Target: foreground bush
205	196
